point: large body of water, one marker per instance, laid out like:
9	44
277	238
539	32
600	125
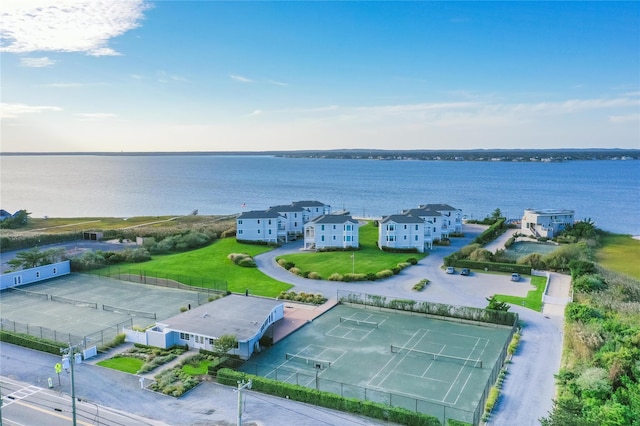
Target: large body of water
607	192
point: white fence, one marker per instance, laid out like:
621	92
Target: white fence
551	299
135	336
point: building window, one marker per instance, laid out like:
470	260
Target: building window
390	228
55	270
258	221
295	224
184	336
322	227
240	222
416	238
322	238
211	341
269	221
269	231
258	231
405	226
416	227
240	231
405	237
334	238
38	274
334	227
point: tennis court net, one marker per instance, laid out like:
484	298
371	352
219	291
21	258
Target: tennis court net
359	322
80	303
130	312
467	362
43	296
315	363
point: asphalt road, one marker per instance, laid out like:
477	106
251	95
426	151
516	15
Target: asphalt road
526	396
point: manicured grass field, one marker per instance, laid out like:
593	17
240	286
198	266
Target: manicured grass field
533	299
368	259
197	371
212	262
128	365
620	253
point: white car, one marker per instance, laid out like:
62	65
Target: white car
450	270
515	277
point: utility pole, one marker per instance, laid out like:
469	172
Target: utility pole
241	386
70	353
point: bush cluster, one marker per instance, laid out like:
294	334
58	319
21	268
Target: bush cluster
494	394
316	299
421	285
242	259
98	258
32	342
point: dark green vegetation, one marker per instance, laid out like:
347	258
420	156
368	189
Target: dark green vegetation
599	382
368	263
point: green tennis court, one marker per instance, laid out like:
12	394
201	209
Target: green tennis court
83	305
434	366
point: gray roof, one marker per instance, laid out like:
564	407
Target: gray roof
401	218
240	316
438	207
308	203
289	208
421	212
259	214
334	218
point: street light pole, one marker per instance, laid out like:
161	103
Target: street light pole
70	352
241	386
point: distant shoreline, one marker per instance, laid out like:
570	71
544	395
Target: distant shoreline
493	155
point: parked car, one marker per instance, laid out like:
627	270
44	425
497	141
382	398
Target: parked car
515	277
465	271
450	270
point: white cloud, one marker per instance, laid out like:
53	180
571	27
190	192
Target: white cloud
624	118
66	25
255	112
62	85
16	110
37	62
240	78
277	83
164	77
96	116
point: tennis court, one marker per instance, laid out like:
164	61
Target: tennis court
81	305
434	366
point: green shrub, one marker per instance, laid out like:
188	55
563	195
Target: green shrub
386	273
295	271
588	283
314	276
421	285
31	342
335	277
577	312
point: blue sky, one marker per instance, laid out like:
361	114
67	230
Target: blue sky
133	75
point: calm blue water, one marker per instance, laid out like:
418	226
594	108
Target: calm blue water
608	192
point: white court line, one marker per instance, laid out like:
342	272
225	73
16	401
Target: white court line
466	381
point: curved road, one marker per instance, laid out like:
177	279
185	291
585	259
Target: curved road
529	389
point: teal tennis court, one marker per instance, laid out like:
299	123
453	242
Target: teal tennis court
424	364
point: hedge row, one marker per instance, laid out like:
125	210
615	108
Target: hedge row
492	266
491	233
28	341
328	400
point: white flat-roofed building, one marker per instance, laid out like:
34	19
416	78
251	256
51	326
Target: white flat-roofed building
546	223
402	231
331	231
247	318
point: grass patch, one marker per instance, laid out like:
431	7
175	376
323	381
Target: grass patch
128	365
368	260
534	297
197	370
212	261
620	253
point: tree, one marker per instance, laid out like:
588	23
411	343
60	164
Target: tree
30	259
497	214
496	305
18	220
225	343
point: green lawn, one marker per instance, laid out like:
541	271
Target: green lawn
128	365
199	370
620	253
533	299
369	259
212	262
